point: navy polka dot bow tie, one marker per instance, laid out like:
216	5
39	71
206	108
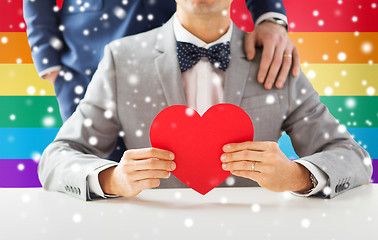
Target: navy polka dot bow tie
189	55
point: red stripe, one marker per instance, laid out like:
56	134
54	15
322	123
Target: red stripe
336	17
11	18
59	3
305	15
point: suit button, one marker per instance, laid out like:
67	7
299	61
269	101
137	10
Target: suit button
346	185
337	188
71	189
79	192
66	188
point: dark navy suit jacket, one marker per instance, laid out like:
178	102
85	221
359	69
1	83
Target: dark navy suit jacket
75	36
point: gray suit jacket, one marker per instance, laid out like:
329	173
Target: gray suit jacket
145	65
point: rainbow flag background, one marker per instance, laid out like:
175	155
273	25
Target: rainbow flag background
336	39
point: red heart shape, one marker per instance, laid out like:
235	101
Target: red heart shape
197	141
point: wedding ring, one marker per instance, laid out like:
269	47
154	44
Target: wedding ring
288	55
253	165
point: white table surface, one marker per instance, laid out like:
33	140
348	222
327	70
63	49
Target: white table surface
224	213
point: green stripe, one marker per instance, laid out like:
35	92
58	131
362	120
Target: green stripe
29	111
32	111
353	111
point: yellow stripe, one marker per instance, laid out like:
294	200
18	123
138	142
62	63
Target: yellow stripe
344	79
23	80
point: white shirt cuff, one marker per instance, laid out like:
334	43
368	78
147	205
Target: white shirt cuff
49	70
94	184
320	176
269	15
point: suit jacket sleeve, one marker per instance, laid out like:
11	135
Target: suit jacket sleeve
261	7
42	29
86	138
318	138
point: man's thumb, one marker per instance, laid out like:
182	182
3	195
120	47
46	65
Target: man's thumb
249	45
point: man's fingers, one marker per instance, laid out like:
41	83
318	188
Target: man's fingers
51	77
266	60
274	67
296	62
257	146
148	183
285	68
249	45
255	176
242	155
243	166
143	153
146	174
154	164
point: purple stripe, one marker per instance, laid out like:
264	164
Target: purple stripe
374	179
18	173
22	173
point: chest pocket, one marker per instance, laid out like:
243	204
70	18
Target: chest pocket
81	6
270	100
266	114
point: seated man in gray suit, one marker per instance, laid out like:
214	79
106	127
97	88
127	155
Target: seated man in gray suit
180	64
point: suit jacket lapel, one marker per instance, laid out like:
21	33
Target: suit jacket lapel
167	66
238	70
169	72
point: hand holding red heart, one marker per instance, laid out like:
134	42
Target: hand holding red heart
197	142
139	169
272	169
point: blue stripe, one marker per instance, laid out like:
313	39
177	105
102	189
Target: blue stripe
23	143
286	147
366	137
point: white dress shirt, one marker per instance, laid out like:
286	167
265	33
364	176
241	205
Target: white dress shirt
203	86
203	83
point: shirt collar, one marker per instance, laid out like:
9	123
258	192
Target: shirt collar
183	35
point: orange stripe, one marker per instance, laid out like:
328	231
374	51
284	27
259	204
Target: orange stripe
16	47
311	46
